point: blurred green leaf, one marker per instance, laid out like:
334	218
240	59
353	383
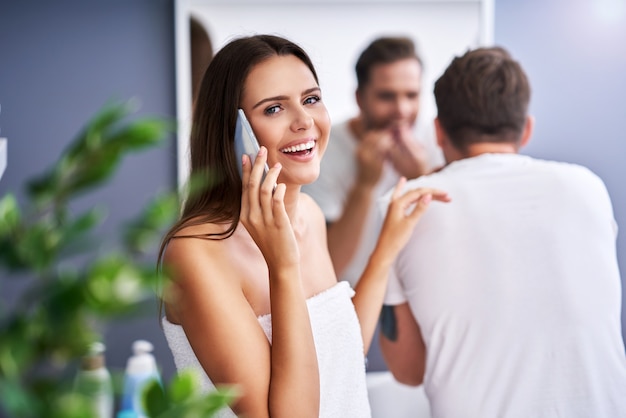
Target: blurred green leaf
17	348
200	181
72	405
10	258
37	246
111	114
14	397
153	399
138	135
202	405
145	231
113	282
9	215
95	154
76	238
184	386
70	287
219	399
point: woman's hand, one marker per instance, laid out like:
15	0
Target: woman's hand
401	218
264	215
294	373
403	213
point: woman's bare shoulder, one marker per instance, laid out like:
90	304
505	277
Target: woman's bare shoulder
194	235
197	259
212	247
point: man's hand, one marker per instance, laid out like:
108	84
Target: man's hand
406	154
371	153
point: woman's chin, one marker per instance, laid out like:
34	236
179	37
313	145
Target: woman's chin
310	178
302	178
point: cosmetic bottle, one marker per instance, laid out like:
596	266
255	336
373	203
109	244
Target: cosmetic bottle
141	368
93	380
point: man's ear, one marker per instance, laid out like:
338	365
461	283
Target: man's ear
528	131
440	133
357	96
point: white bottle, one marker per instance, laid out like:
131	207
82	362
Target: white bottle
141	368
94	381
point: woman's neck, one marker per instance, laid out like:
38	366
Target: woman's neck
292	199
292	196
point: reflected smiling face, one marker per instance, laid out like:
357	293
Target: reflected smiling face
282	102
392	94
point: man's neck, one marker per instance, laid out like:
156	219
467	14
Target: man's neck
480	148
491	148
356	126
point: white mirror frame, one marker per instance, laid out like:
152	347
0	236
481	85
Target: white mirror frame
333	32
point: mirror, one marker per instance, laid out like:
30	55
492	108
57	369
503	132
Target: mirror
333	32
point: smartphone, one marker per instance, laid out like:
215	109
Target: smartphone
245	141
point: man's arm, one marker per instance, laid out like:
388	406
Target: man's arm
345	233
402	345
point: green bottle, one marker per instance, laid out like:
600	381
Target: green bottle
93	380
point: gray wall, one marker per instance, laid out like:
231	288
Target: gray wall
575	55
60	61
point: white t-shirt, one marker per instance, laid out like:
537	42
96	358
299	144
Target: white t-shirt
516	288
338	173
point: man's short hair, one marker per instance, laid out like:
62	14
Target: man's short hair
483	96
383	50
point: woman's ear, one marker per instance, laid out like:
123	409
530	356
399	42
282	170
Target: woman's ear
528	131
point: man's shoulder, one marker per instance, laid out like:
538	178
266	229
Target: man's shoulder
434	180
341	133
568	171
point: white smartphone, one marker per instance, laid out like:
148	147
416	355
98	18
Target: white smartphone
245	141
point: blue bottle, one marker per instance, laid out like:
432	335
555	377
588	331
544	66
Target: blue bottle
141	368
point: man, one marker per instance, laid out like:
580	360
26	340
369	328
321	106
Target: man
507	300
367	154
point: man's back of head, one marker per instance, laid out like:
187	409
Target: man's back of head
483	97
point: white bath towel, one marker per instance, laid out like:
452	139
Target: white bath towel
339	346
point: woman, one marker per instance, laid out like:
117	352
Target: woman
254	300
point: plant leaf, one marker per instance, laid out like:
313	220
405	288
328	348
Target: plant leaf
9	215
153	399
183	386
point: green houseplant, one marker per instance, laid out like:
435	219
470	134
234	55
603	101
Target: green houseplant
72	286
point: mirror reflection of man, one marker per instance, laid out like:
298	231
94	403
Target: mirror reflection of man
368	153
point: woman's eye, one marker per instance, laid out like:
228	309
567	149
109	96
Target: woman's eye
272	109
312	100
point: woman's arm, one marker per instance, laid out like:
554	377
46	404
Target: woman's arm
294	386
398	226
345	233
207	300
281	380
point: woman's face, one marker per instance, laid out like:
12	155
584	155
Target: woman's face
282	102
